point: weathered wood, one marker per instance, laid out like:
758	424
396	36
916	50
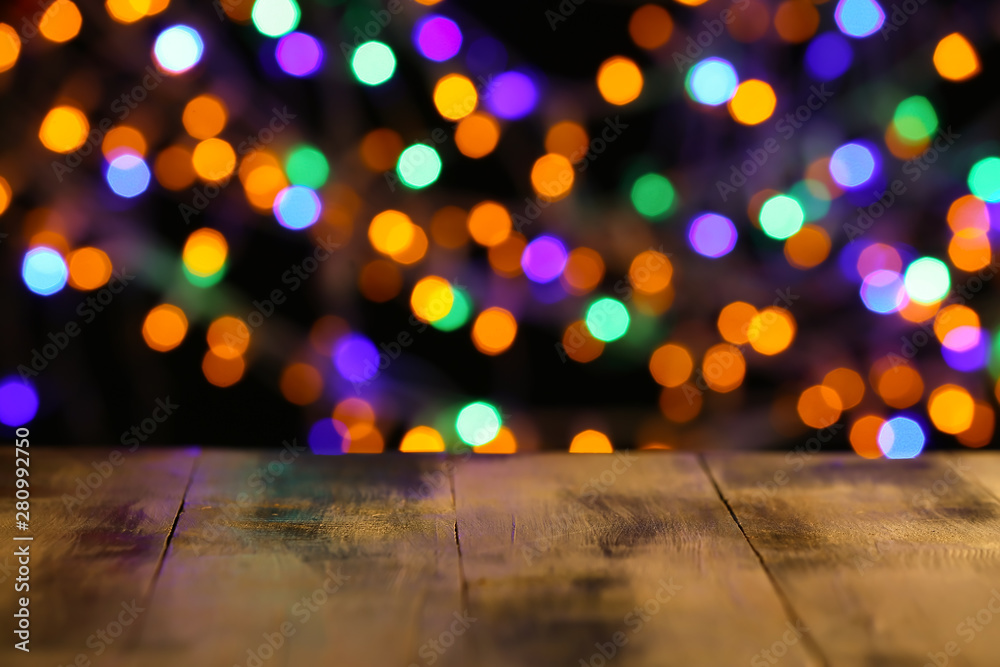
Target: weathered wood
100	523
885	561
564	554
259	533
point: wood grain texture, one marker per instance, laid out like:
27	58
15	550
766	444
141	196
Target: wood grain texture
562	554
885	561
340	560
100	524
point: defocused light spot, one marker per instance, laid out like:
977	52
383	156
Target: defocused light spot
852	165
915	118
164	327
222	372
901	438
671	365
808	247
579	344
819	406
771	330
883	292
61	21
607	319
590	442
512	95
299	54
552	176
864	436
984	179
723	368
954	317
878	256
505	257
455	97
753	103
174	168
568	139
354	418
297	207
477	135
504	443
489	223
275	18
650	26
127	11
128	176
711	82
89	268
712	235
955	58
432	298
829	56
650	272
391	232
583	272
213	159
437	38
44	271
927	280
307	166
951	409
10	47
653	196
64	129
422	439
859	18
356	358
544	259
5	194
680	404
380	280
324	439
966	349
18	400
619	80
301	384
461	309
969	212
899	386
796	21
449	227
734	322
123	139
373	63
380	149
204	116
781	217
493	331
178	49
228	337
478	423
980	432
418	166
847	384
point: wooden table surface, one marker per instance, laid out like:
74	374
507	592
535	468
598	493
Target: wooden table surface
253	559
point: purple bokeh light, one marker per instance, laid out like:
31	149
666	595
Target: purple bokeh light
829	56
18	402
513	95
544	259
712	235
356	358
437	38
299	54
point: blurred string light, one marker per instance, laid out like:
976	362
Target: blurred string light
478	423
955	58
901	438
927	280
852	165
619	80
18	402
828	56
275	18
89	268
165	327
512	95
712	81
418	166
297	207
306	165
653	196
299	54
437	38
44	271
544	259
373	63
61	21
128	175
204	256
859	18
607	319
64	129
178	48
712	235
984	179
781	217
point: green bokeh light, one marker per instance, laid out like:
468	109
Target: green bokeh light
927	280
204	281
814	196
307	166
461	308
781	217
373	63
275	18
607	319
653	196
984	179
915	119
478	423
418	166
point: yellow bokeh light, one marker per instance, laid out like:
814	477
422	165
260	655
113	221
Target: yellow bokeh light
477	135
415	249
123	139
723	368
422	439
753	102
205	252
968	212
552	176
808	247
819	406
128	11
848	384
619	80
864	436
953	317
64	129
213	159
771	331
951	409
6	194
262	185
650	272
391	232
204	116
734	321
671	365
61	21
955	58
455	97
89	268
590	442
504	443
584	271
380	149
164	327
970	250
489	223
494	331
432	298
10	47
228	337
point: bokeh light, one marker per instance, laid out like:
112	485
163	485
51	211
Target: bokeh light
493	331
356	358
205	252
455	97
478	423
852	165
44	271
859	18
828	56
297	207
128	175
955	58
590	442
299	54
418	166
712	82
513	95
373	63
712	235
753	102
432	298
178	49
619	80
927	280
671	365
901	438
422	439
607	319
653	196
984	179
18	402
89	268
275	18
437	38
781	217
165	327
64	129
544	259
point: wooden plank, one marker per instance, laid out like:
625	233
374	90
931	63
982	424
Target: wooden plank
571	558
885	561
100	519
337	560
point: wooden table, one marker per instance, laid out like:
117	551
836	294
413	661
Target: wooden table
211	557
